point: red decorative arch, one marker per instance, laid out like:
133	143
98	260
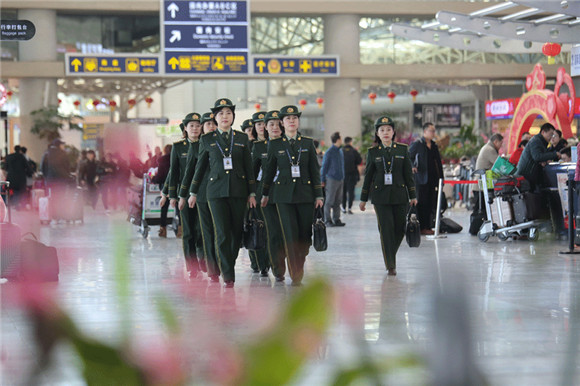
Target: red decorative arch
556	108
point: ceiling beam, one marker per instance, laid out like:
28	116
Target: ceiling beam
571	7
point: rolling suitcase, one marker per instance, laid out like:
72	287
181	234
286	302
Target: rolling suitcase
38	261
44	210
477	218
9	246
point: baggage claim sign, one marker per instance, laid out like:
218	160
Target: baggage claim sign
205	37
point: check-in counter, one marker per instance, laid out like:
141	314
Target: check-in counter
556	177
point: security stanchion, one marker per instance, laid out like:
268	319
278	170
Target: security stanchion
438	215
571	227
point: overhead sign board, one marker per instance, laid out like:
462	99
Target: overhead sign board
575	61
501	108
17	30
302	66
112	65
442	115
205	37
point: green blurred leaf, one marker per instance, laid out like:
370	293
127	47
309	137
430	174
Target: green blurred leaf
167	315
121	253
276	357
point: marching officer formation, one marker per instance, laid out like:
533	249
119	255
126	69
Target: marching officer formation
218	174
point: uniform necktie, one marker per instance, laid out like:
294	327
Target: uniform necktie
225	136
292	141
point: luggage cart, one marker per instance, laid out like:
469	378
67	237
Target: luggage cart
147	200
500	221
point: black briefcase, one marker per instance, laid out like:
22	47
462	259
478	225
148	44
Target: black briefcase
254	231
320	242
412	228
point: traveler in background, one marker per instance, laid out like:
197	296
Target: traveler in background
515	157
535	156
566	154
352	160
87	177
485	159
557	143
163	164
428	169
108	182
332	178
17	169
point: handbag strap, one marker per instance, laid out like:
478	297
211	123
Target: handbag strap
412	210
318	214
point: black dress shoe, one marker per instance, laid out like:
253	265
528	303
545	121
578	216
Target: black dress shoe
229	284
280	278
296	284
264	272
214	278
349	211
329	224
392	272
339	223
255	270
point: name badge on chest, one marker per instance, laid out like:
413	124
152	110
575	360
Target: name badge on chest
388	179
295	171
228	163
259	175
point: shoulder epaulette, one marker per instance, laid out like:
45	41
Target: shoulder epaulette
401	144
263	141
305	137
372	147
178	142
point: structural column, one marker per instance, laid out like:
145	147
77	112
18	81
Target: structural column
35	93
342	105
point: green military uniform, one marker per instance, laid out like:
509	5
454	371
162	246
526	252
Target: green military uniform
259	155
390	200
205	220
191	215
231	181
190	238
294	195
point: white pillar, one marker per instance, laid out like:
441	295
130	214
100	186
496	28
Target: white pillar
342	101
35	93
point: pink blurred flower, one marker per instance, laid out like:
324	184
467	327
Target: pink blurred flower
350	304
225	365
161	360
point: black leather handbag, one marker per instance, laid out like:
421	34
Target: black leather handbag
320	242
254	231
412	228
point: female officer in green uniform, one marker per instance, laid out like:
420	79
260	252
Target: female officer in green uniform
261	257
209	125
231	184
298	189
388	169
276	250
191	238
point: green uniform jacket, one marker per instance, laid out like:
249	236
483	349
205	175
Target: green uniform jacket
403	187
292	190
192	155
259	158
177	167
238	182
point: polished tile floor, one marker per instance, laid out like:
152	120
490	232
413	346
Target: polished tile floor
509	305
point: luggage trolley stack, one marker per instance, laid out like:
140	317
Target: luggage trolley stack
145	209
512	211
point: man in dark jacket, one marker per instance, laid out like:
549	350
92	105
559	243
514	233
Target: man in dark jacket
428	169
55	165
352	159
16	171
87	177
535	156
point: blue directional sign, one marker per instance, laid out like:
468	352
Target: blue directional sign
205	37
315	66
111	65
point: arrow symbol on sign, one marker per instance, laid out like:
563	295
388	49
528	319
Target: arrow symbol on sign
261	64
173	8
173	62
76	63
175	35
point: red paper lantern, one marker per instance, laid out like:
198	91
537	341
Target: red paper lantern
551	50
9	94
392	96
112	105
372	97
59	101
132	103
77	103
319	101
302	103
257	106
414	94
148	100
96	102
